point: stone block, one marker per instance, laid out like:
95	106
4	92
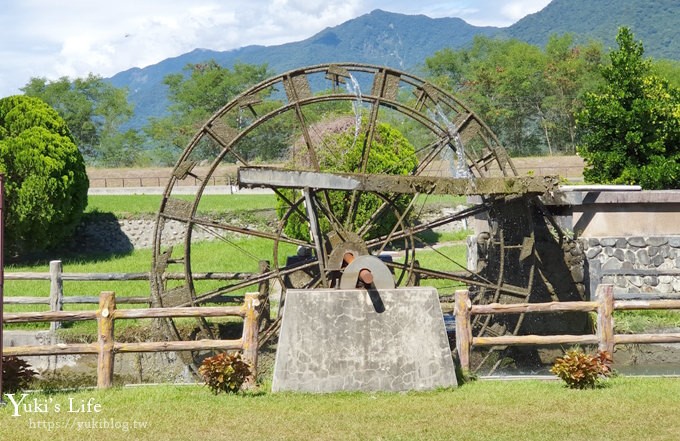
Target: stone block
619	254
676	284
593	252
630	256
643	256
665	251
636	281
359	340
621	281
612	264
674	241
577	274
608	241
667	280
593	242
658	260
637	241
656	241
664	288
651	281
653	251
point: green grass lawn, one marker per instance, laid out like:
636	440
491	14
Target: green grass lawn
126	205
627	409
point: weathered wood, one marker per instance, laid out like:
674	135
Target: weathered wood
463	329
106	347
19	300
58	349
46	316
627	305
518	308
263	289
56	291
27	276
605	318
164	346
152	346
527	340
211	276
27	300
207	311
105	341
647	338
104	277
195	311
272	177
250	334
119	300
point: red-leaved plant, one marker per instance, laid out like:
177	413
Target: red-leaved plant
16	374
224	372
582	371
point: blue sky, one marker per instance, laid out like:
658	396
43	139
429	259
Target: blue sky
45	38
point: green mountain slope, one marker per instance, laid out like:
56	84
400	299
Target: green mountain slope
655	22
383	38
405	41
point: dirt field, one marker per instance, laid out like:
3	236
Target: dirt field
570	167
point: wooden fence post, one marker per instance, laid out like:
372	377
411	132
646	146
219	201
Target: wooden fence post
250	333
105	357
263	288
56	291
463	329
605	319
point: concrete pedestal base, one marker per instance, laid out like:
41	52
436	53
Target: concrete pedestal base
358	340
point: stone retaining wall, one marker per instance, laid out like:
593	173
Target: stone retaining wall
635	264
110	235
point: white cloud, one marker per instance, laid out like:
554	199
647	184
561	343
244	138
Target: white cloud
517	9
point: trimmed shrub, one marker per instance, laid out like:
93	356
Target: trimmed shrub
45	180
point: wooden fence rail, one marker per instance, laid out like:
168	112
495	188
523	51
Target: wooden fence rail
57	299
604	305
106	347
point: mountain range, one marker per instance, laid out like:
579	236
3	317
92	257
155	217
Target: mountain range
405	41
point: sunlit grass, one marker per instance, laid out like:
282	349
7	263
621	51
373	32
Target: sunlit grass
239	255
482	410
632	322
126	205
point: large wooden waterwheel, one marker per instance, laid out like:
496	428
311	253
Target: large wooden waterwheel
455	153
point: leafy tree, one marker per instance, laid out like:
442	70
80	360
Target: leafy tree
501	80
668	69
390	153
527	95
631	125
45	180
570	71
196	96
94	112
